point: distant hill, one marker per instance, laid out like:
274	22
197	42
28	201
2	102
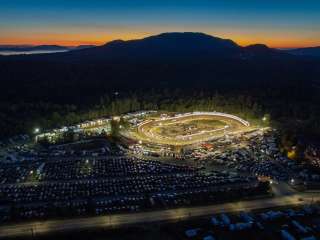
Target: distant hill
33	48
172	46
310	51
165	46
81	47
28	49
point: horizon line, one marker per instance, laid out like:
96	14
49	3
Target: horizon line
76	43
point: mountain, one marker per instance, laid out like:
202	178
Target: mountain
262	50
167	45
310	51
183	46
81	47
173	46
168	60
32	48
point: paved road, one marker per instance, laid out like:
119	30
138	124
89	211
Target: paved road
27	229
282	189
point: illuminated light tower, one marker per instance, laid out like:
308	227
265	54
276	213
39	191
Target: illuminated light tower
116	118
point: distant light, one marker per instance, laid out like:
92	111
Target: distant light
140	142
87	161
271	182
264	119
292	154
292	180
36	130
31	172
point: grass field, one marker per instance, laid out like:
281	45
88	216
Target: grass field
188	127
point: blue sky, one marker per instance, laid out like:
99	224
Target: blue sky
280	23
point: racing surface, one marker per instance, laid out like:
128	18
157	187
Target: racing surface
186	129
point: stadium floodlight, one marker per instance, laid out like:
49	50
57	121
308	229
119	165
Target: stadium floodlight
36	130
116	118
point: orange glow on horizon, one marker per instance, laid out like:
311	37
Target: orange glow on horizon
53	41
100	39
279	43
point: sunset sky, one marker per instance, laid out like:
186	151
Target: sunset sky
277	23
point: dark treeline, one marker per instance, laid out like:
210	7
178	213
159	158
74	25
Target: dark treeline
292	110
58	82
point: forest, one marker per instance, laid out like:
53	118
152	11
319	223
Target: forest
298	117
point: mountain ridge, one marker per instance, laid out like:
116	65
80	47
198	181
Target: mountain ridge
184	46
42	47
307	51
170	42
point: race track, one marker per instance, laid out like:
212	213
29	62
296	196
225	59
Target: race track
187	129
